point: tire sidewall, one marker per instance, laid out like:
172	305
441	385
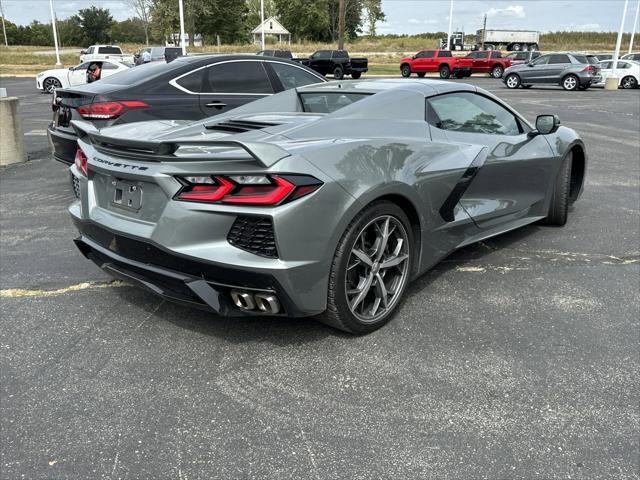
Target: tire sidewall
512	75
564	80
341	260
338	73
405	71
444	71
497	72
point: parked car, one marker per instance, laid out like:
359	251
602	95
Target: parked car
105	52
628	72
604	56
336	62
632	56
324	200
157	54
572	71
189	88
489	61
51	80
441	61
276	53
518	58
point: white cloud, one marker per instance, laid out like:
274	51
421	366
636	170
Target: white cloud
428	21
515	11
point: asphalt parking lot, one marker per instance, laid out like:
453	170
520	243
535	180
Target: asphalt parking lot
515	358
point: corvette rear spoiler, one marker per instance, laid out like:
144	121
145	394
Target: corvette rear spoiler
267	154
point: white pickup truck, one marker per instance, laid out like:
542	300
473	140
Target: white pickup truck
105	52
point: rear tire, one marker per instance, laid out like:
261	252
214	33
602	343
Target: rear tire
356	75
405	71
357	267
512	80
497	71
338	73
628	82
570	82
445	71
559	207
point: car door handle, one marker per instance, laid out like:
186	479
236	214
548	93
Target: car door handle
216	104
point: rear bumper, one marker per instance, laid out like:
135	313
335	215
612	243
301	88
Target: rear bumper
175	278
63	144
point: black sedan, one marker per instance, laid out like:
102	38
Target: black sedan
189	88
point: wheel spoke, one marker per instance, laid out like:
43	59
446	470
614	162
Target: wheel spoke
382	289
394	261
364	289
363	257
384	240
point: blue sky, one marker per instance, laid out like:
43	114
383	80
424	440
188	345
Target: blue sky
412	16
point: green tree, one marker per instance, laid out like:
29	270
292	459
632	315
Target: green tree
304	19
40	33
373	14
226	18
164	19
253	12
71	32
128	31
95	23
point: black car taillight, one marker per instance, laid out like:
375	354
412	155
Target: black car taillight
264	190
108	110
81	161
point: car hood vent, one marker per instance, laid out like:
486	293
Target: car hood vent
239	126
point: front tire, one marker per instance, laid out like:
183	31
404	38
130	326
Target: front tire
338	73
445	71
512	81
629	82
497	71
50	84
370	269
405	70
570	82
559	207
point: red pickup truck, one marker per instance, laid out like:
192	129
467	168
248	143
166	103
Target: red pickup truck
489	61
441	61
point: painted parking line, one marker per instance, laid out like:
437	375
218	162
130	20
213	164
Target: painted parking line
25	292
36	133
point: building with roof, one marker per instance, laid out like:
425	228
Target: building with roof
272	28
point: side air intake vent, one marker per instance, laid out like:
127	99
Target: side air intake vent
239	126
255	235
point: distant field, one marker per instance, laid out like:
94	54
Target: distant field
384	53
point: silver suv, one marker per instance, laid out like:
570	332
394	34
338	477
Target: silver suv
572	71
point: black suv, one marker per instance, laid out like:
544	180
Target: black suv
336	62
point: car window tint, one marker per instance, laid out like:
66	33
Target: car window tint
444	53
543	60
139	74
293	77
496	55
606	65
89	51
109	66
327	102
624	65
470	112
426	54
82	66
561	58
322	54
340	54
237	77
193	81
110	50
581	59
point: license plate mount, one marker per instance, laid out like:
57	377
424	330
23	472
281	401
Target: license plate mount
127	195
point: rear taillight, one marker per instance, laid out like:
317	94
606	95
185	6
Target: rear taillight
81	161
589	68
246	189
109	110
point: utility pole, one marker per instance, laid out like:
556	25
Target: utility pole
181	9
633	32
484	30
341	25
262	20
55	35
616	54
450	24
4	30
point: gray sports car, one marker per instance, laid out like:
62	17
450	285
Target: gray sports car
323	200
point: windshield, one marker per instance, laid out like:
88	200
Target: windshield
328	102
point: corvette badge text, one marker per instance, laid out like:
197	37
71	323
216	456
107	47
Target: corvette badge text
118	164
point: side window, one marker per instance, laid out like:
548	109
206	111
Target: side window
496	55
606	65
237	77
322	54
444	53
110	50
89	51
473	113
82	66
559	58
109	66
542	60
293	77
193	81
340	54
624	65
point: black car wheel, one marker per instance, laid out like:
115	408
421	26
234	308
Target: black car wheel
497	71
405	70
445	71
628	82
338	73
370	269
559	208
570	82
356	75
421	74
50	84
512	80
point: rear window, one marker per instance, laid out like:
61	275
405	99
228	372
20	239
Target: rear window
138	74
582	59
328	102
110	50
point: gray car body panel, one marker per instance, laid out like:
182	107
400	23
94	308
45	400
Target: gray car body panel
554	74
379	147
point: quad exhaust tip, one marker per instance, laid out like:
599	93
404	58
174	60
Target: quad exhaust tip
264	302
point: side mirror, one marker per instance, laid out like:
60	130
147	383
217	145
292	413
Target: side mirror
546	124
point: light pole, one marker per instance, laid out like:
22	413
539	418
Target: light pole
262	22
616	54
181	9
4	31
55	35
633	32
450	24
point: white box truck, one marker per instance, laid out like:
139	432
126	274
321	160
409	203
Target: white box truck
512	40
